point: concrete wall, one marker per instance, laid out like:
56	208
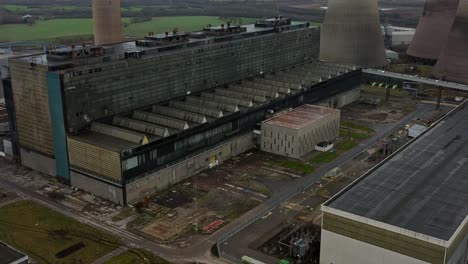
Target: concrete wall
381	235
342	99
348	97
99	188
338	249
36	161
187	168
280	140
460	255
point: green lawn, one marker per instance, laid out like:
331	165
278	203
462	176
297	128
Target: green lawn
352	134
24	8
59	28
297	166
356	126
47	29
346	145
132	9
136	256
381	91
324	157
41	233
15	8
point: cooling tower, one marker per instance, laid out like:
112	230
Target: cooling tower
433	28
107	22
351	34
453	60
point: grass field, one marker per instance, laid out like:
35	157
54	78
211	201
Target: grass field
352	133
24	8
136	256
381	91
346	145
324	157
356	126
58	28
41	233
297	166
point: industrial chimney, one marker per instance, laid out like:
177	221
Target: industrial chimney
107	22
433	29
453	60
351	34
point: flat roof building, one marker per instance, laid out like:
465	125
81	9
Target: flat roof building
296	133
9	255
412	208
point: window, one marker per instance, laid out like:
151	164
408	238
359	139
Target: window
130	163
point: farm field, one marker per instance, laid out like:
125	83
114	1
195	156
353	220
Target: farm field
83	27
50	237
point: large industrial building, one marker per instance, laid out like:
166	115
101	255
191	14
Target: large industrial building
296	133
127	119
411	209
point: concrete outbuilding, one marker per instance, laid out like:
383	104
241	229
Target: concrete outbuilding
296	133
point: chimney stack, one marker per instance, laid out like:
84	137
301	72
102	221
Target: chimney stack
433	29
107	22
453	60
351	34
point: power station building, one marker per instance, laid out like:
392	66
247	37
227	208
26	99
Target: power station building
125	120
411	209
296	133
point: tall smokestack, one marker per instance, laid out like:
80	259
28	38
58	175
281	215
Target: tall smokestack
453	60
351	34
433	29
107	22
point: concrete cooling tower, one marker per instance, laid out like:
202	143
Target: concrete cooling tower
351	34
453	60
107	22
433	29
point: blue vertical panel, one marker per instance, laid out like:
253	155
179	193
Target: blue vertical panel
58	125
